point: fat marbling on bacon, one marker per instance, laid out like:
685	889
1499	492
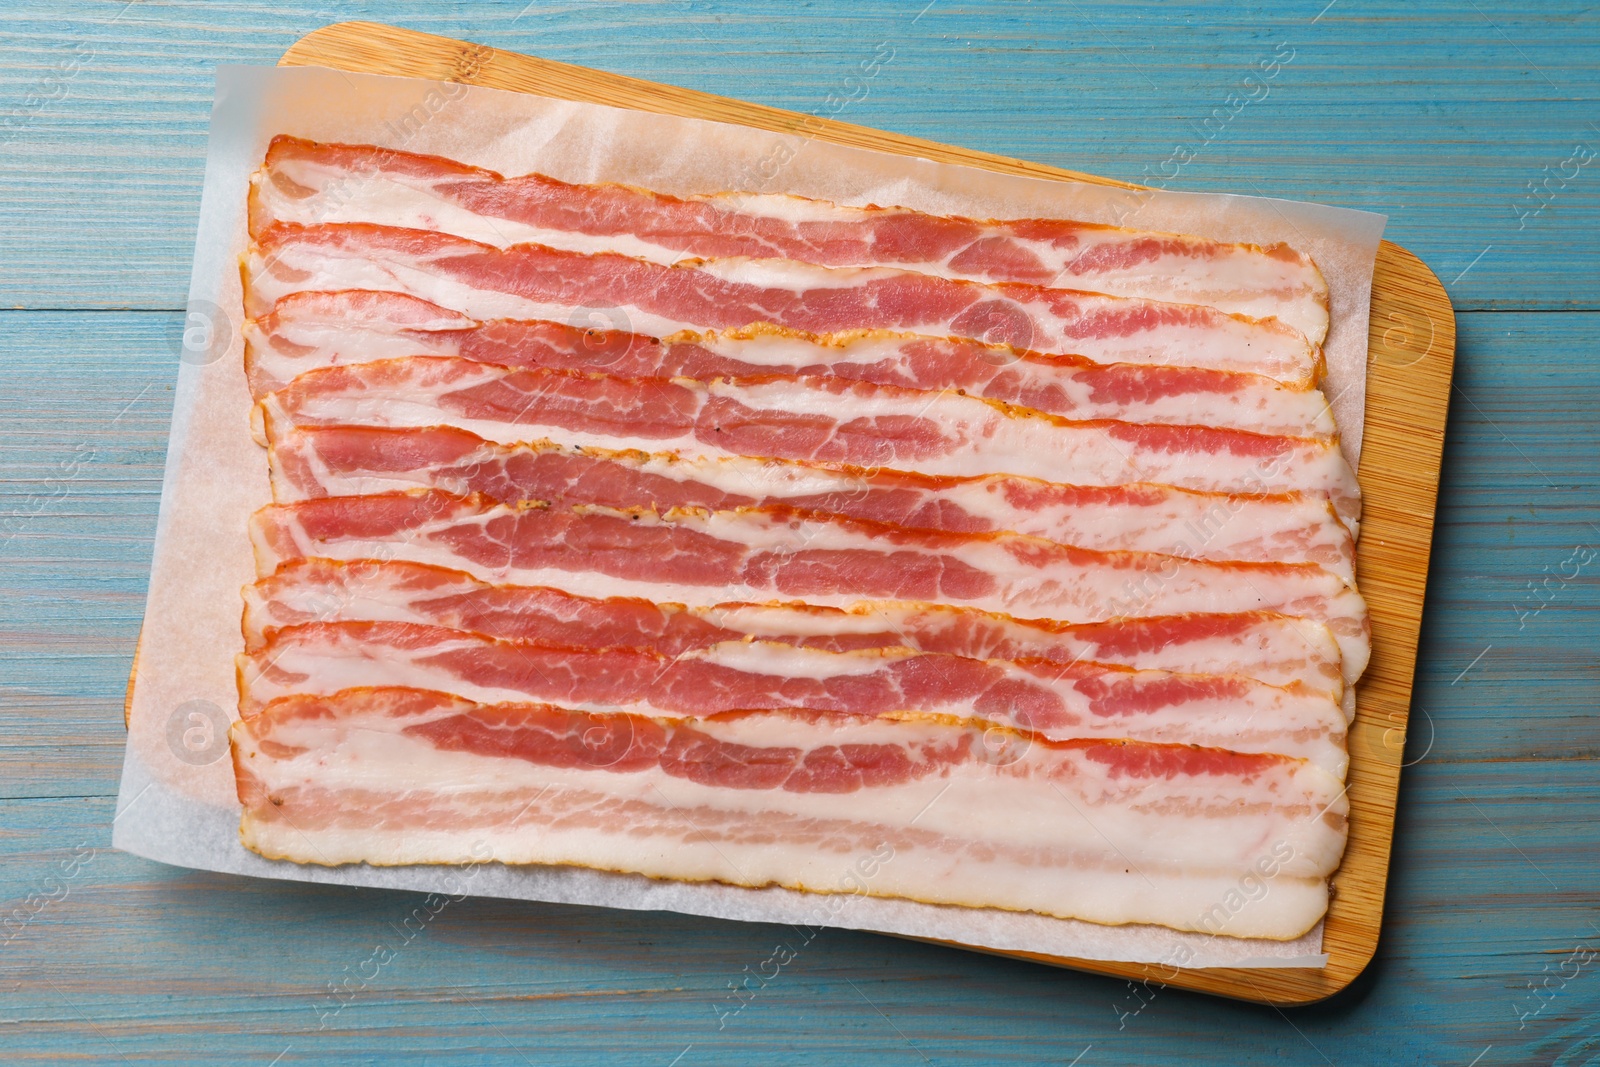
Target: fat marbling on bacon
824	420
1057	701
1109	831
1271	648
308	330
535	282
709	557
306	182
343	460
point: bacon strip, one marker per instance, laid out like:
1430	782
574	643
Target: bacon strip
305	182
1052	700
811	419
705	558
1272	649
535	282
1105	831
308	330
352	461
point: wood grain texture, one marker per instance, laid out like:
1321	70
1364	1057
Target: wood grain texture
1411	351
1434	111
1117	83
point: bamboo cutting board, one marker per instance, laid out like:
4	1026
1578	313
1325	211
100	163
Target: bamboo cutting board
1412	349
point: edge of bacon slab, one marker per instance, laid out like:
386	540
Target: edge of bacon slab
1273	649
532	281
311	329
1060	702
311	463
705	558
396	776
821	420
306	182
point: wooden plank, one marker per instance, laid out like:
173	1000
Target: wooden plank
85	404
1412	347
1439	118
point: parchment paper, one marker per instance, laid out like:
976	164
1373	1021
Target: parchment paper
177	801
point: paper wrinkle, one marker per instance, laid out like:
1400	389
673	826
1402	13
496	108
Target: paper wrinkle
184	812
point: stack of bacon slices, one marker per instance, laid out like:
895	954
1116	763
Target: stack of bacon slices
733	537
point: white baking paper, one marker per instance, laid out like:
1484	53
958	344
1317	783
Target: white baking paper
177	801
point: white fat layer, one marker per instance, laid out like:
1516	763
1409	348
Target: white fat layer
1024	586
1219	341
299	269
1223	343
1232	278
1267	407
1259	404
1295	529
791	661
1111	897
306	346
1261	719
1062	821
974	437
1273	651
377	198
795	209
1184	523
1277	652
978	436
1053	795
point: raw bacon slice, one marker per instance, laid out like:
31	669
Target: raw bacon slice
535	282
306	182
355	461
1052	700
812	419
308	330
754	554
1273	649
1105	831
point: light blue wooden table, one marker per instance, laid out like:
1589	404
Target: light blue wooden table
1473	125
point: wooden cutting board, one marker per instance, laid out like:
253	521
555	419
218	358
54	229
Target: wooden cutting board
1412	351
